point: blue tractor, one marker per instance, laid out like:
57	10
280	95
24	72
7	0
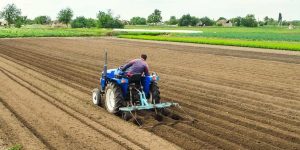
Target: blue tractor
120	94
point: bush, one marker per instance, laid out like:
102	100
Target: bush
249	21
261	23
82	22
188	20
138	21
173	20
90	23
207	21
42	20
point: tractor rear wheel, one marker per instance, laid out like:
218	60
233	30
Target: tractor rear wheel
154	93
155	99
113	98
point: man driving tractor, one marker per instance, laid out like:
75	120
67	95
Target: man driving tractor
136	66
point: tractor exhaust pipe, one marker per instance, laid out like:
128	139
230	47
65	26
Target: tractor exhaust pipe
105	64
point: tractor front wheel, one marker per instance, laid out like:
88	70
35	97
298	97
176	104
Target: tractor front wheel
113	98
96	97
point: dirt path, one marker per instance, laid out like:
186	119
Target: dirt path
241	99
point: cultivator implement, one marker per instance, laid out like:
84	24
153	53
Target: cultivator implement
148	107
162	111
144	105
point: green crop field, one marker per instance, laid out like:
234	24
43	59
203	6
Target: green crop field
50	32
259	33
282	45
260	37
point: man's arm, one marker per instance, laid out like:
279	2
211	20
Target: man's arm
127	65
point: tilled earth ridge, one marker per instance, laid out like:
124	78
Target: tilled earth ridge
241	99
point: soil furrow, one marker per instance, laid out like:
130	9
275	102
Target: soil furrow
26	124
56	104
241	99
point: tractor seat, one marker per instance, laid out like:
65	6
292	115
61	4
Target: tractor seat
135	78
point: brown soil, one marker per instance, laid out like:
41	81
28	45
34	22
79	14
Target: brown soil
241	99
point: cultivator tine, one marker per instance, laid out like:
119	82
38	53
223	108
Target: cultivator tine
158	124
135	118
186	114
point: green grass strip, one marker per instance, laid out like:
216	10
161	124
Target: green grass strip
282	45
16	147
50	32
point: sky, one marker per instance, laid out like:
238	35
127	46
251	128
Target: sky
130	8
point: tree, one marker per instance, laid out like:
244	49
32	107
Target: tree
221	18
29	21
188	20
266	20
185	20
20	20
173	20
207	21
285	23
236	21
194	21
249	21
269	21
261	23
42	20
106	20
138	21
279	19
10	13
155	17
79	22
272	21
65	16
90	23
82	22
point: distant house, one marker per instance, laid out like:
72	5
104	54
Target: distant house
156	24
3	23
224	23
57	24
199	24
291	27
126	22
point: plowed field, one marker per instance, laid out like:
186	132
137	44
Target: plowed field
242	99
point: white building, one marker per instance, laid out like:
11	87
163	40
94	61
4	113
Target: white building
224	23
3	22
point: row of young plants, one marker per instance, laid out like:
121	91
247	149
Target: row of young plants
281	45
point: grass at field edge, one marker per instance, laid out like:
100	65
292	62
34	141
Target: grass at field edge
279	45
49	32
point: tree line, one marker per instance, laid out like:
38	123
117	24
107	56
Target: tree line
13	16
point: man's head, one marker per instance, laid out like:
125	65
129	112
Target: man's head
144	56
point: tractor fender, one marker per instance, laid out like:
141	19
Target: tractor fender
123	83
147	81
